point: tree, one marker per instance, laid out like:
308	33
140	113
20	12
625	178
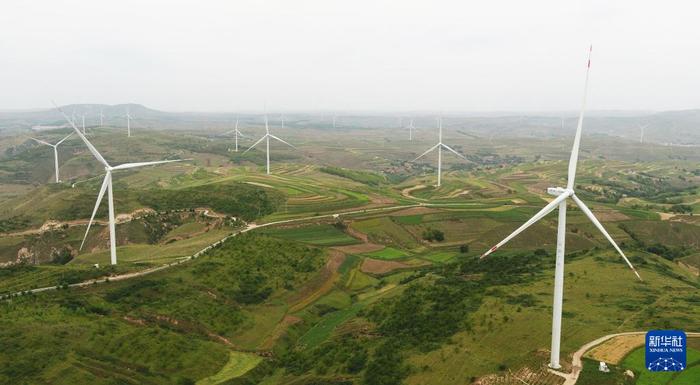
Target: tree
431	235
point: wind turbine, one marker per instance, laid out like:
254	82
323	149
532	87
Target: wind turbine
439	146
102	117
236	134
267	136
107	185
641	134
410	130
560	201
83	116
55	151
128	123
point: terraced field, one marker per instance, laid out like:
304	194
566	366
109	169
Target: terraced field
322	235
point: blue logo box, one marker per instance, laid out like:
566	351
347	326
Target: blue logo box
666	350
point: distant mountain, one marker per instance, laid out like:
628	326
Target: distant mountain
668	127
51	118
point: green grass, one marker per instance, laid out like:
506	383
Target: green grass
383	230
636	361
440	256
408	219
322	330
387	253
157	329
360	281
238	364
322	235
690	376
154	254
590	375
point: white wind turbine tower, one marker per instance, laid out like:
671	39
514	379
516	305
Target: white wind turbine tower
102	117
235	133
560	201
641	134
55	151
439	146
267	137
410	130
107	185
128	123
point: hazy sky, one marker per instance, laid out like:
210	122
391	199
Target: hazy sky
350	55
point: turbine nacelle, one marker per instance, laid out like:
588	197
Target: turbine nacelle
556	191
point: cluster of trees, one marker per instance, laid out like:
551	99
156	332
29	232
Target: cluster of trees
667	252
436	304
647	187
236	199
232	198
158	225
349	356
250	267
14	223
682	209
433	235
61	256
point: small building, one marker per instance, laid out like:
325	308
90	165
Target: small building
603	367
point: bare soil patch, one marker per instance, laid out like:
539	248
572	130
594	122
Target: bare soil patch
376	266
611	216
616	348
380	199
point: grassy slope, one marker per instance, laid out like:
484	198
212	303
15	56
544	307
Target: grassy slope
166	326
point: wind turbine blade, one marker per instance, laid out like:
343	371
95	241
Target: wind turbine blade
274	137
41	141
455	152
573	161
427	151
89	145
142	164
228	132
255	144
100	195
61	141
600	227
541	214
240	134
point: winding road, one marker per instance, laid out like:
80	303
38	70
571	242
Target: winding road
249	227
